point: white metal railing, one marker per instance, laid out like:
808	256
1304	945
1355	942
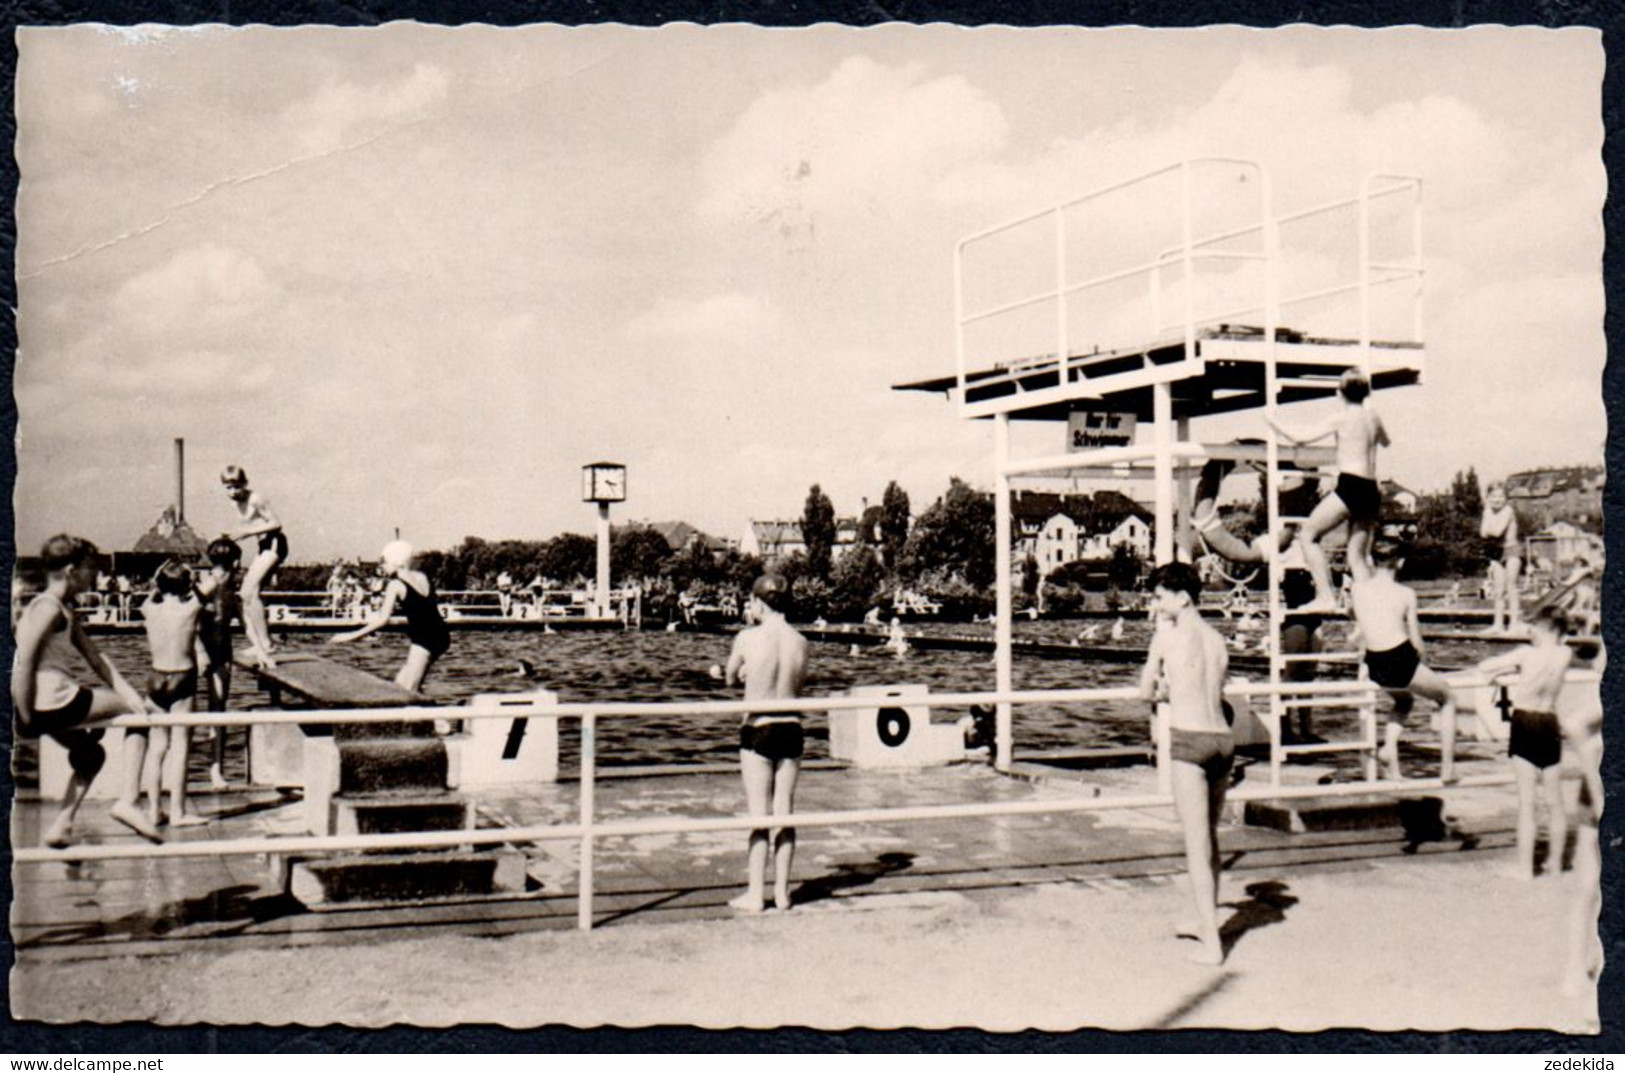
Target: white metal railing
588	828
296	606
1191	250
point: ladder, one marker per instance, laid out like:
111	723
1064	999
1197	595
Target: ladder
1361	695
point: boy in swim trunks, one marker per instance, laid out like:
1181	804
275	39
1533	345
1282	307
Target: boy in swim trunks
410	590
770	659
260	522
1385	624
1358	432
1185	669
217	593
46	699
1503	549
171	618
1536	742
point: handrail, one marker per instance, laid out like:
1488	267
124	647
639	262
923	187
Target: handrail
635	828
588	830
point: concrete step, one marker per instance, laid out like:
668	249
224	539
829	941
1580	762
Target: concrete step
421	728
370	766
1419	817
402	879
396	812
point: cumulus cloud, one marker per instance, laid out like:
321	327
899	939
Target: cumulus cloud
201	292
857	142
342	111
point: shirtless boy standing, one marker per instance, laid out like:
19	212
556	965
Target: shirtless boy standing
1357	498
770	659
1385	624
1536	743
1185	668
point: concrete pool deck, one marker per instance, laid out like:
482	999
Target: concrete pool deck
1049	921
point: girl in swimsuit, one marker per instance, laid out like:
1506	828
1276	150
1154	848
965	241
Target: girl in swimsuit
413	593
1499	529
271	549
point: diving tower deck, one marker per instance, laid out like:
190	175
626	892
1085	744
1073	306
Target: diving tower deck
1227	374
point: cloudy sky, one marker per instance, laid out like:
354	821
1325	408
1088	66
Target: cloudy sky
416	277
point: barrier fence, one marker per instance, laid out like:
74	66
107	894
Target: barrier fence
588	828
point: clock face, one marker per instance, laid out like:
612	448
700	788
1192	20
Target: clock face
604	484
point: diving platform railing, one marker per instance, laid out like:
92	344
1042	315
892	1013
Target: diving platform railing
1174	367
588	828
1164	349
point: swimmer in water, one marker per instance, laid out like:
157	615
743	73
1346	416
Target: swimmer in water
1185	670
770	660
1358	431
259	522
896	640
1535	747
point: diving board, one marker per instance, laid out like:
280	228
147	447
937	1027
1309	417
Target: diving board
318	682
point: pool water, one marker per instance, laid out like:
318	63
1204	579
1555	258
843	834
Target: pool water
659	666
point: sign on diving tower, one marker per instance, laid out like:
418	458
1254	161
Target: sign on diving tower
1170	296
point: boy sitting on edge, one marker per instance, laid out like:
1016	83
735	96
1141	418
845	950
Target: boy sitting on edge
46	699
1536	743
1185	668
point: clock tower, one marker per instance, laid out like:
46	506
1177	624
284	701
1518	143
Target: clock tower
603	483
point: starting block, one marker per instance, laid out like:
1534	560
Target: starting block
896	731
503	752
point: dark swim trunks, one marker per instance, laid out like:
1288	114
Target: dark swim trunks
1361	496
85	752
1212	751
1299	502
274	541
168	688
1536	737
1393	668
774	741
51	722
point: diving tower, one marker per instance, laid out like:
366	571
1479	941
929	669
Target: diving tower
1175	295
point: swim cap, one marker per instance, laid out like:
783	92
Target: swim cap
397	554
771	590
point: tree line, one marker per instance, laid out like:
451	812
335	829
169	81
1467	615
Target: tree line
946	554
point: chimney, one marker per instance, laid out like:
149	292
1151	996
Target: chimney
180	480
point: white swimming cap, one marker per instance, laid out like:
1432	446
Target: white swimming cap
397	553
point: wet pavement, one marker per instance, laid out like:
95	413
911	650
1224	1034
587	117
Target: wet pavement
131	907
